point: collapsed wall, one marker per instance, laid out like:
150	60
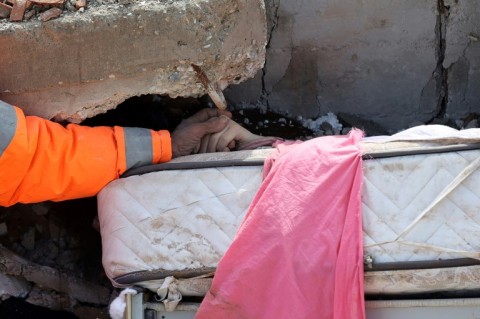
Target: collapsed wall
85	63
397	63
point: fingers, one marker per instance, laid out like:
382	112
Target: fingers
187	138
218	142
206	114
227	139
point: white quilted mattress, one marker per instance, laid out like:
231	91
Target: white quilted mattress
415	207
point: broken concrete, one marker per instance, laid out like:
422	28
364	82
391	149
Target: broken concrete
462	58
371	59
12	286
82	64
393	62
47	277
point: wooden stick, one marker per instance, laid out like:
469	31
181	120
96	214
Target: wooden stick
212	88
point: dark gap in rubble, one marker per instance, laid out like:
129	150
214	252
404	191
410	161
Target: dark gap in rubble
14	308
164	113
64	237
149	111
274	8
441	73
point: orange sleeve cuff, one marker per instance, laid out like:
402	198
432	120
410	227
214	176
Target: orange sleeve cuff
162	146
121	151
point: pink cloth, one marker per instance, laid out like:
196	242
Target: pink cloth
298	252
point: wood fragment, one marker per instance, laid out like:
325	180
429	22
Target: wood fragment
50	14
212	88
18	10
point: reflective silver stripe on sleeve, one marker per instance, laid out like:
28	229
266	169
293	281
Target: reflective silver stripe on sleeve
138	146
8	125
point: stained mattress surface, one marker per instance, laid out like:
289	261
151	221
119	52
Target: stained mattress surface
415	207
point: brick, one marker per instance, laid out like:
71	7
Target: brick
18	10
50	14
5	10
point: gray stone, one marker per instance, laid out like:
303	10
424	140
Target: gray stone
472	124
49	299
3	229
122	51
13	286
50	278
28	239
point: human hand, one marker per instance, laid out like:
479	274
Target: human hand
234	137
186	138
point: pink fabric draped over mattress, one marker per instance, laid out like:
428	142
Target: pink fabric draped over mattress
298	252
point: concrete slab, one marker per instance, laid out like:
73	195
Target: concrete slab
462	58
371	59
82	64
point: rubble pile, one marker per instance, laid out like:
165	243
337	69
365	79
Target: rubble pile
20	10
50	256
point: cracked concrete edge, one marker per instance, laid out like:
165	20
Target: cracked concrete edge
13	265
462	58
81	65
448	27
440	74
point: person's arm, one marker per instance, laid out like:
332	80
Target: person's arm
42	160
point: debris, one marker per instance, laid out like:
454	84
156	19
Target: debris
212	88
49	299
29	14
472	124
5	10
50	278
370	127
80	4
328	121
3	229
11	286
18	10
50	14
41	209
28	239
48	2
473	37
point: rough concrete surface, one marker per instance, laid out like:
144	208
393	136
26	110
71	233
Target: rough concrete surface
372	59
462	58
82	64
395	63
387	61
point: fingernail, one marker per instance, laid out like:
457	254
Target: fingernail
223	119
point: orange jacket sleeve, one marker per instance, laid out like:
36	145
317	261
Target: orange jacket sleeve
42	160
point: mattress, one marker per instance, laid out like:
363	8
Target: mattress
420	201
